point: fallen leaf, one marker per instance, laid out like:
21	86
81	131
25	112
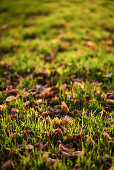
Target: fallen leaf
54	100
105	134
45	93
110	101
30	147
13	110
27	103
56	132
64	108
62	148
103	95
39	101
10	98
56	122
74	137
12	92
2	107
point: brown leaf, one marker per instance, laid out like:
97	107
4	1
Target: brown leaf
105	134
56	122
12	92
62	148
13	110
30	147
110	101
45	93
2	107
103	95
64	108
112	168
74	137
10	98
56	132
54	100
27	131
77	153
39	101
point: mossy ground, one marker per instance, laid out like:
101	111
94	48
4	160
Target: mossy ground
57	67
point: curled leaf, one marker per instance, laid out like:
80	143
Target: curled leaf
10	98
62	148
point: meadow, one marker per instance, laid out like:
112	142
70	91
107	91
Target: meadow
57	84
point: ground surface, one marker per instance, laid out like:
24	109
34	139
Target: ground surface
56	84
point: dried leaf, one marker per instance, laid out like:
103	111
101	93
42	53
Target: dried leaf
105	134
2	107
62	148
10	98
54	100
110	101
77	153
56	132
45	93
27	103
64	108
103	95
30	147
90	140
27	131
56	122
74	137
39	101
12	92
13	110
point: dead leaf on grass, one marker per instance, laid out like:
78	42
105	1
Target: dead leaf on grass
2	107
74	137
56	122
64	108
10	98
105	134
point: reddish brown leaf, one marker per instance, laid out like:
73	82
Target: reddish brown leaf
64	108
2	107
30	147
105	134
56	122
54	100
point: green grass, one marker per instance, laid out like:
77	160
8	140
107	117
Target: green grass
67	44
